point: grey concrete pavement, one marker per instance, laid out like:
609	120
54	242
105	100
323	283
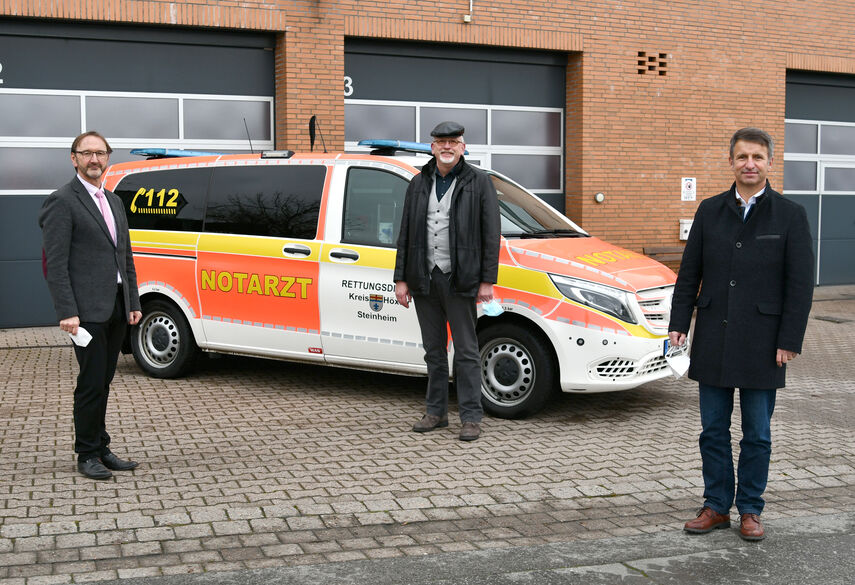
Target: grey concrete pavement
808	551
252	465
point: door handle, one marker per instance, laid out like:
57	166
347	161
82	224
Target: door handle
344	254
296	249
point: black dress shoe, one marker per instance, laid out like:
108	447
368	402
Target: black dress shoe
93	469
110	461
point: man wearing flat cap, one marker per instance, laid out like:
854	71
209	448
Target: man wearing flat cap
448	260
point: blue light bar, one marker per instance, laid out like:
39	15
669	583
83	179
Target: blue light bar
392	146
171	152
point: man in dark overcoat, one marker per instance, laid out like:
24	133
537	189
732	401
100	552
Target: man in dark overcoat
748	270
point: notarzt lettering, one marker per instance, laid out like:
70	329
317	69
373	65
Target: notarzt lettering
290	287
598	258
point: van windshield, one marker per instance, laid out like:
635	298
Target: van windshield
524	216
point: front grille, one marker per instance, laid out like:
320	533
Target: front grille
655	306
653	365
622	368
613	369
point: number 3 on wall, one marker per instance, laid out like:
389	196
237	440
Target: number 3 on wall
348	86
1	71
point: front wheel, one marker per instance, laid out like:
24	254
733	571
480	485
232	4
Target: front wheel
517	371
162	342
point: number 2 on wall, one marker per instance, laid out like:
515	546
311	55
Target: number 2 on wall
1	71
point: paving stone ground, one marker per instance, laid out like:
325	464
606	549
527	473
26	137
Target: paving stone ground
252	463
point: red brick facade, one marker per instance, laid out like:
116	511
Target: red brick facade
709	67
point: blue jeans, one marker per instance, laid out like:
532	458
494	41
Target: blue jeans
755	448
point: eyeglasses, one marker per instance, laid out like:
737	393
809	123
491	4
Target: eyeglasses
91	153
447	141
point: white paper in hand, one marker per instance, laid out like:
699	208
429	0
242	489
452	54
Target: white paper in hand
82	338
678	359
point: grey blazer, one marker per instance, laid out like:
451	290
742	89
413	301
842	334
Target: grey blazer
82	260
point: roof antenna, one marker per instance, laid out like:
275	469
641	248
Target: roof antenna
313	122
248	137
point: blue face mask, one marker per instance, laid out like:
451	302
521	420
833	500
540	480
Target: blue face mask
492	309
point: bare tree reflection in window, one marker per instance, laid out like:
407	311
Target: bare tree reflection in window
275	215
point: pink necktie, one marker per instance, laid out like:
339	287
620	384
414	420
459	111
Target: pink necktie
108	218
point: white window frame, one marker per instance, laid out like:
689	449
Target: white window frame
64	142
481	152
823	161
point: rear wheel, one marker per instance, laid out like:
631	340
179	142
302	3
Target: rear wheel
517	371
163	343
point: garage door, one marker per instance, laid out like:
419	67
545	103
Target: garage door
402	90
139	87
819	167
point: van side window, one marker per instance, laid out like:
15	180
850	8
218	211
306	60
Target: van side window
165	200
278	200
373	204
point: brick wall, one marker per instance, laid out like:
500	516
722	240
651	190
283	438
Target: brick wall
631	136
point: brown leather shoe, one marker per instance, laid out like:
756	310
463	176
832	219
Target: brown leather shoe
750	527
430	422
470	431
707	521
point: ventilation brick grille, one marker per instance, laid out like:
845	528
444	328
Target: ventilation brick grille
652	63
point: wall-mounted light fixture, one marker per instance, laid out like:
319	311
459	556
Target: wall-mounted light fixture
599	197
467	18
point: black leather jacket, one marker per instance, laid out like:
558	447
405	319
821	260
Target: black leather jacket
474	232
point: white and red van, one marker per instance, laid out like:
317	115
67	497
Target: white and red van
290	256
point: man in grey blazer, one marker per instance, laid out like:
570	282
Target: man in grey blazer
748	269
91	277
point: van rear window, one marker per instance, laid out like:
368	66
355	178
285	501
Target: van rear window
165	200
275	201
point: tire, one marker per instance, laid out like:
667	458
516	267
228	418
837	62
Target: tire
517	371
162	343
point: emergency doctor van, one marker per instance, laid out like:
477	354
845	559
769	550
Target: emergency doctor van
290	256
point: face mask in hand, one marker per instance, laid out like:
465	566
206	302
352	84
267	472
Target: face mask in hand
678	359
492	309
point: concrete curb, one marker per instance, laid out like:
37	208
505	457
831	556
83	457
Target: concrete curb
721	555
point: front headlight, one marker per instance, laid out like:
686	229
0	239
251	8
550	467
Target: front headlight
607	299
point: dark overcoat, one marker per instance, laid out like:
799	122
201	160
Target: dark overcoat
82	260
756	287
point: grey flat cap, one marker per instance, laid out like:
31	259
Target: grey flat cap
449	129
